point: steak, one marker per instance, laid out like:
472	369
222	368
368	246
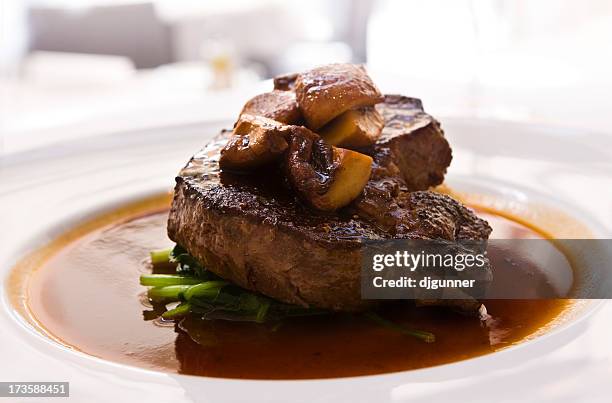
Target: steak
410	155
413	141
253	230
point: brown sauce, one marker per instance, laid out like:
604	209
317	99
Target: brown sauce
86	296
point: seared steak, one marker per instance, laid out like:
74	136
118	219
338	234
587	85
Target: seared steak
413	141
253	231
411	154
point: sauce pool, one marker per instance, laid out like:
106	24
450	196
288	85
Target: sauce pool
87	296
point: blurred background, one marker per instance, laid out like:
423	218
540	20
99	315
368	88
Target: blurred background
73	68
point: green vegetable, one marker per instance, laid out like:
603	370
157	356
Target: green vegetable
208	290
262	311
188	265
168	293
161	256
178	312
162	280
206	296
427	337
232	303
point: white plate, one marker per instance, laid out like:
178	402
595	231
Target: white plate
44	192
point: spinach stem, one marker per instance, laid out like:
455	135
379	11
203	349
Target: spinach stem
206	290
161	256
178	312
168	293
262	312
162	280
427	337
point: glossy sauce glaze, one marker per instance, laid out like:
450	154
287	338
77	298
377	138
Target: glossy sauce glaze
87	296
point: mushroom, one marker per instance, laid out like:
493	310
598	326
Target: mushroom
326	92
356	128
324	176
285	82
256	141
277	105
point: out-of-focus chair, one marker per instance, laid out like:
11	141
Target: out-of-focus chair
132	30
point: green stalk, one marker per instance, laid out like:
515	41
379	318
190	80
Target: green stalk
207	290
163	280
168	293
427	337
178	312
161	256
262	312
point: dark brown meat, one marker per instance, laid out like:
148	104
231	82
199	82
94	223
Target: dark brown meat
413	141
421	214
254	232
411	155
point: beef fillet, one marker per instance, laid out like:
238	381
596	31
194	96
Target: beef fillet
253	230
